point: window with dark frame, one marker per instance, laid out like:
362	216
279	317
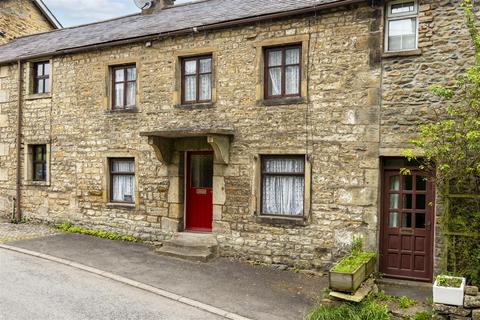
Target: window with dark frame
122	180
282	72
197	80
283	185
124	87
39	162
41	77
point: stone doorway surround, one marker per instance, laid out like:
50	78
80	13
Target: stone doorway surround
170	147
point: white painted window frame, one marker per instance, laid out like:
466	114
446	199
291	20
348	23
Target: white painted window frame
400	16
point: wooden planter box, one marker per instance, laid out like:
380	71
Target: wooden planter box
370	267
347	282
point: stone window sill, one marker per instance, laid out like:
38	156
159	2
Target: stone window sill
37	183
115	111
283	101
281	220
192	106
36	96
398	54
119	205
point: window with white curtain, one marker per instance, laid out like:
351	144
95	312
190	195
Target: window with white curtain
122	180
124	86
282	71
283	185
402	25
197	79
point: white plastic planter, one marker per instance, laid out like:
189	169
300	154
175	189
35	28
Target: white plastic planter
449	295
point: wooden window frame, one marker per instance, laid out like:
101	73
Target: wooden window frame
284	66
43	162
198	74
125	82
263	173
400	16
45	78
112	174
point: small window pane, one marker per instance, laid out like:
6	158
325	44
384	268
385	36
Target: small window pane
402	34
403	7
40	86
131	94
292	80
407	220
206	65
407	201
191	67
407	182
420	220
394	221
394	201
119	95
205	87
123	166
40	172
201	171
46	69
46	85
40	69
284	165
395	183
292	56
283	195
274	58
131	74
421	183
119	75
275	81
420	201
123	188
190	88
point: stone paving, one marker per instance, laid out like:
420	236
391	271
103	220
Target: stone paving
24	231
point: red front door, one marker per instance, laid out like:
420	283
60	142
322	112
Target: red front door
407	225
199	214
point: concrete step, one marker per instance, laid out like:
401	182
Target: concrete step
190	246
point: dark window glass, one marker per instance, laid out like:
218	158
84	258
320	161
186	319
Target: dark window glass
124	86
420	220
201	171
407	219
421	183
39	156
122	180
197	79
41	77
282	72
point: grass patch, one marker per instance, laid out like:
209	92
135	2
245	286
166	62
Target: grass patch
366	310
406	302
68	227
353	262
403	301
423	315
445	281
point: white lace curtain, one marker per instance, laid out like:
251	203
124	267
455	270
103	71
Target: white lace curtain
292	72
283	194
123	185
205	80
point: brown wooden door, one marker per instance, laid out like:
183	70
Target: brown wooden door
407	222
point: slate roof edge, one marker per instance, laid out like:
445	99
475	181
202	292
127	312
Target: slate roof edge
214	26
48	14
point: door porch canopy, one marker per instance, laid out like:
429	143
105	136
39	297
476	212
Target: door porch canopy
163	142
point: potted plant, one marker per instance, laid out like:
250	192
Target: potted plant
449	290
349	273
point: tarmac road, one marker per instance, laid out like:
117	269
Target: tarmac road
33	288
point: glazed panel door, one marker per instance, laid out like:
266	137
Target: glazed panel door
407	226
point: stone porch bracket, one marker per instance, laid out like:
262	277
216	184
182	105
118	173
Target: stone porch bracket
163	142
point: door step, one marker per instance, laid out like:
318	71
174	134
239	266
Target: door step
190	246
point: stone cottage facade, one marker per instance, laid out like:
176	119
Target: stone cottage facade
276	129
23	17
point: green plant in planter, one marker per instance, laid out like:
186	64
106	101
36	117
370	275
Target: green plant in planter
445	281
352	262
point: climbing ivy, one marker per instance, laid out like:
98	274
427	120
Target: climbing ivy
450	152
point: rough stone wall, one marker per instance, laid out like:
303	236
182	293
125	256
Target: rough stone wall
337	126
469	311
19	18
445	51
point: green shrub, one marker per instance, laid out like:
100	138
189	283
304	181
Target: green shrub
68	227
366	310
445	281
